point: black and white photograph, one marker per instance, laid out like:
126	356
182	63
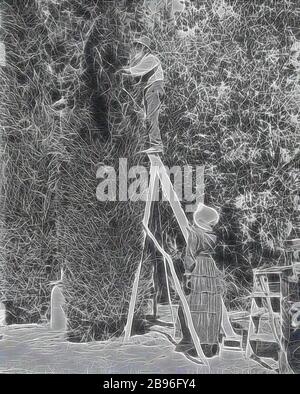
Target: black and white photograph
150	189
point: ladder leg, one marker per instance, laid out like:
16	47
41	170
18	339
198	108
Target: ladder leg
226	324
151	191
251	330
165	268
169	295
265	286
159	275
185	305
170	194
155	296
229	334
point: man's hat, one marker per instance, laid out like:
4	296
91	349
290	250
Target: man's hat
143	40
205	217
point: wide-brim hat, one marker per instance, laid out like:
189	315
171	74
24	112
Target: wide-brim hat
143	40
205	217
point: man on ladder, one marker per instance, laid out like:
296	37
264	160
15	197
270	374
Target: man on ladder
147	67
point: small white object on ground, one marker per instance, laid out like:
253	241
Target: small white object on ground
2	54
58	320
2	314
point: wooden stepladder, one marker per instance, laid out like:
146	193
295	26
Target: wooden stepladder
159	172
268	308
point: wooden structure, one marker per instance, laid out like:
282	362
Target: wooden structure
291	316
275	290
158	171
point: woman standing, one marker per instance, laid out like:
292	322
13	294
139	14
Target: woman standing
201	285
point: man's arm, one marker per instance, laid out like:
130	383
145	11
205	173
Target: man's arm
147	64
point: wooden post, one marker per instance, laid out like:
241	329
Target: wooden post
289	288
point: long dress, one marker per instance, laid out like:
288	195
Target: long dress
202	288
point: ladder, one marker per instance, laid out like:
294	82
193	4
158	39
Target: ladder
159	172
265	320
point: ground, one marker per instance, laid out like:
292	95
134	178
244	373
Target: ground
35	349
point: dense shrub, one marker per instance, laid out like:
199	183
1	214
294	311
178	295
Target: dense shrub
55	134
100	243
29	162
232	82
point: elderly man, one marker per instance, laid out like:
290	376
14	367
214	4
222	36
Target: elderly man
147	67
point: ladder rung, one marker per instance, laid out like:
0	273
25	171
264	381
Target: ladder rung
234	343
263	338
265	315
259	294
271	270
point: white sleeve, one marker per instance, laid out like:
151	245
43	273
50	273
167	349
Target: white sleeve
147	64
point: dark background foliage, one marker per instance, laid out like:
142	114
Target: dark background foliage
232	104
